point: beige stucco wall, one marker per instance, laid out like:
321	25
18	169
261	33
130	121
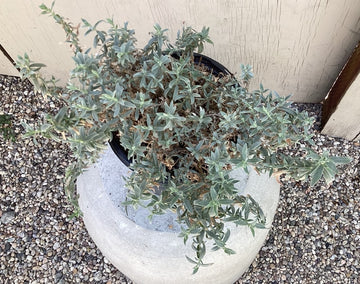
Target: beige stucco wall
6	67
295	47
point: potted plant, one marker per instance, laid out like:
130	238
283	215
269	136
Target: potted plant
183	122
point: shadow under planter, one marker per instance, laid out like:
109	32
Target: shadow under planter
152	252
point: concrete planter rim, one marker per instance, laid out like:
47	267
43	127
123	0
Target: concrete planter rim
148	256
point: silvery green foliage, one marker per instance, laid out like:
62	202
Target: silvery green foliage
183	127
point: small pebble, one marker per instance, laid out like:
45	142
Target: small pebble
7	217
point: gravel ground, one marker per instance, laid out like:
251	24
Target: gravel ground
314	239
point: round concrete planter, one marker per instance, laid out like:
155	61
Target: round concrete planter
150	256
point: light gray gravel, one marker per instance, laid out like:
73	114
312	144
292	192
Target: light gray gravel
315	236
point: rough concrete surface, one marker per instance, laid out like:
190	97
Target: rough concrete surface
147	255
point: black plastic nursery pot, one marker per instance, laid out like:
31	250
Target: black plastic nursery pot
210	64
